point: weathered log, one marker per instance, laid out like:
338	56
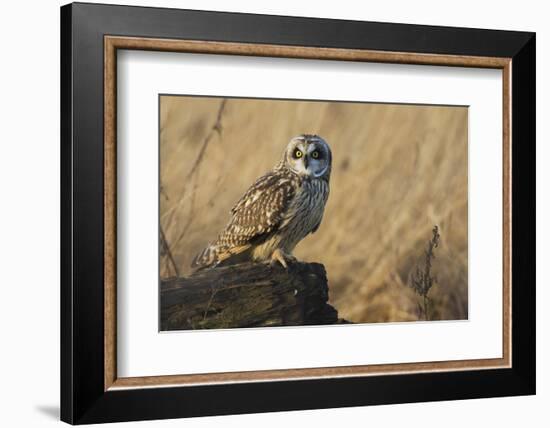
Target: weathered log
247	295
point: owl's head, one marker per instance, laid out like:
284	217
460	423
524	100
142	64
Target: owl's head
309	156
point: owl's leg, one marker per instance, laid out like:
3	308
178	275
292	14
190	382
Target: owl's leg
279	256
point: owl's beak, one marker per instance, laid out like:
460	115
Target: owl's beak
305	161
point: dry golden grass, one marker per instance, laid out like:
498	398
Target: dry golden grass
398	170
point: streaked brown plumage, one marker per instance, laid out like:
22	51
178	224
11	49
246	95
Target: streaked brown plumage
280	209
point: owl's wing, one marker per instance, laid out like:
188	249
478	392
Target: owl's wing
262	208
259	212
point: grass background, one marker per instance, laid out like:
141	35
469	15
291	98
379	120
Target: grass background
398	170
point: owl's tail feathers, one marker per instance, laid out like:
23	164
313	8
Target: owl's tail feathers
206	258
213	255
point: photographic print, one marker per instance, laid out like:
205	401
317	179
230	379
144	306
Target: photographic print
325	201
304	212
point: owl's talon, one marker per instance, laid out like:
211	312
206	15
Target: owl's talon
278	257
275	263
283	258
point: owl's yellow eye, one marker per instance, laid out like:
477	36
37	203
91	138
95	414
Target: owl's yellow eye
315	154
298	154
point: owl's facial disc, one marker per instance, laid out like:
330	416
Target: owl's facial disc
309	155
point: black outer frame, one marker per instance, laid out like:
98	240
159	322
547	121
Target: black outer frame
83	399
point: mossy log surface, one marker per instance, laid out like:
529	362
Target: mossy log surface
248	295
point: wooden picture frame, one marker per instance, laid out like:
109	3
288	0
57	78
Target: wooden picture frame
91	391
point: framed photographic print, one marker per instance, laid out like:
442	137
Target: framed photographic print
265	213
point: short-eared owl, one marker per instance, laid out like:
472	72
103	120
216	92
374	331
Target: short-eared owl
279	210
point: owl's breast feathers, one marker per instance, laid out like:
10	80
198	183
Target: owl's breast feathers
266	214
